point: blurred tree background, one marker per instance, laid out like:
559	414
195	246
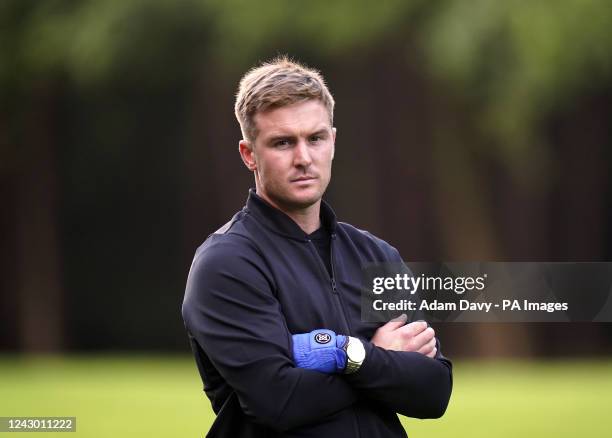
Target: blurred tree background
466	131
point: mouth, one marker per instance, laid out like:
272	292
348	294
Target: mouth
303	178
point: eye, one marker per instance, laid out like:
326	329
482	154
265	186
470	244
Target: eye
316	138
282	143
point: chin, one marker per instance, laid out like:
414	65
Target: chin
302	200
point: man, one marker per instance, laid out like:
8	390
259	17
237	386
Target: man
272	304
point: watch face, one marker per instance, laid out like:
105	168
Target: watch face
355	351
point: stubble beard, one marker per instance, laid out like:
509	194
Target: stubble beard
285	201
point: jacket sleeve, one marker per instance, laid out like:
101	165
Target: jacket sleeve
231	311
409	383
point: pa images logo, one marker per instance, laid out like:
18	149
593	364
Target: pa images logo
322	338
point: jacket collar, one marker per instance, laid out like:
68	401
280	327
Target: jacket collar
280	223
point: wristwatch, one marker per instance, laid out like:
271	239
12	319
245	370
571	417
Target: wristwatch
355	354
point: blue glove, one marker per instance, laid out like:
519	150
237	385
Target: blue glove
320	350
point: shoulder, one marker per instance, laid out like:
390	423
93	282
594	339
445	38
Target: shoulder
365	241
228	242
226	266
225	250
230	252
359	234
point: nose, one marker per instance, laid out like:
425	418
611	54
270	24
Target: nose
301	155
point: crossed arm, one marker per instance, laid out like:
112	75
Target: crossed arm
256	359
327	354
414	373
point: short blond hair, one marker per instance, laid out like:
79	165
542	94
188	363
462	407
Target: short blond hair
277	83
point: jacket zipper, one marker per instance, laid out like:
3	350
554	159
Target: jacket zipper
334	287
339	301
332	280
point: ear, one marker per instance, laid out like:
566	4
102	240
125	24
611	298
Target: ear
334	130
248	156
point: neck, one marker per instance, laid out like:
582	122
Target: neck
307	218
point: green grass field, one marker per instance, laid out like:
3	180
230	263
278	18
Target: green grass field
161	397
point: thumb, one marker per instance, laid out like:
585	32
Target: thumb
395	323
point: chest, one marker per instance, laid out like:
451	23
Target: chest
310	297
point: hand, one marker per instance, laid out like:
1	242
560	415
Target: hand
399	336
320	350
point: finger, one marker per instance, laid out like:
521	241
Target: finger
433	353
427	348
414	328
403	317
395	323
423	338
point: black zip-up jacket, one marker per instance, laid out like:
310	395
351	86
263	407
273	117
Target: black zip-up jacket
257	281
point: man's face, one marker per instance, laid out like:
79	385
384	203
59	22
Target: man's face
292	154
